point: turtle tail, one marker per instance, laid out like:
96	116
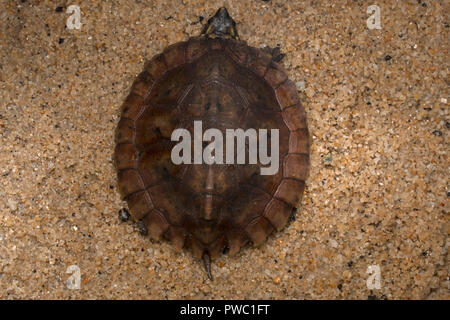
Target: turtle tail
207	264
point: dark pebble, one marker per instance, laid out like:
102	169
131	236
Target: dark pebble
59	9
387	58
124	215
350	264
447	124
61	40
437	133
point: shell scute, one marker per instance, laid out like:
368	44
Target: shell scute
125	131
156	67
175	55
260	63
287	94
129	182
132	106
258	230
275	75
139	204
290	191
156	224
196	48
126	156
278	213
299	141
295	117
143	84
296	166
238	51
177	236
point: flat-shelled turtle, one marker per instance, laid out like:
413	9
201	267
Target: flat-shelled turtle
219	81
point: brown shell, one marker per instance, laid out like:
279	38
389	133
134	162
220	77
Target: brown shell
205	208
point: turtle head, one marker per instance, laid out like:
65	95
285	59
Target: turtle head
221	25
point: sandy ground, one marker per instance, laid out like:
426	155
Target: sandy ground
376	198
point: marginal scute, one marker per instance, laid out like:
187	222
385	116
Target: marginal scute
275	75
129	182
278	212
126	156
290	191
248	204
299	141
295	117
156	224
236	240
125	131
296	166
287	94
156	67
177	236
139	204
175	55
132	107
259	63
258	230
143	84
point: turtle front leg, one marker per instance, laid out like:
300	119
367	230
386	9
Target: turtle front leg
274	52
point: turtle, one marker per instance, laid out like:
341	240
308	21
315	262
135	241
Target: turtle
211	207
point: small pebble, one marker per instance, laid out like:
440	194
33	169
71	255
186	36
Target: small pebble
300	85
12	204
333	243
